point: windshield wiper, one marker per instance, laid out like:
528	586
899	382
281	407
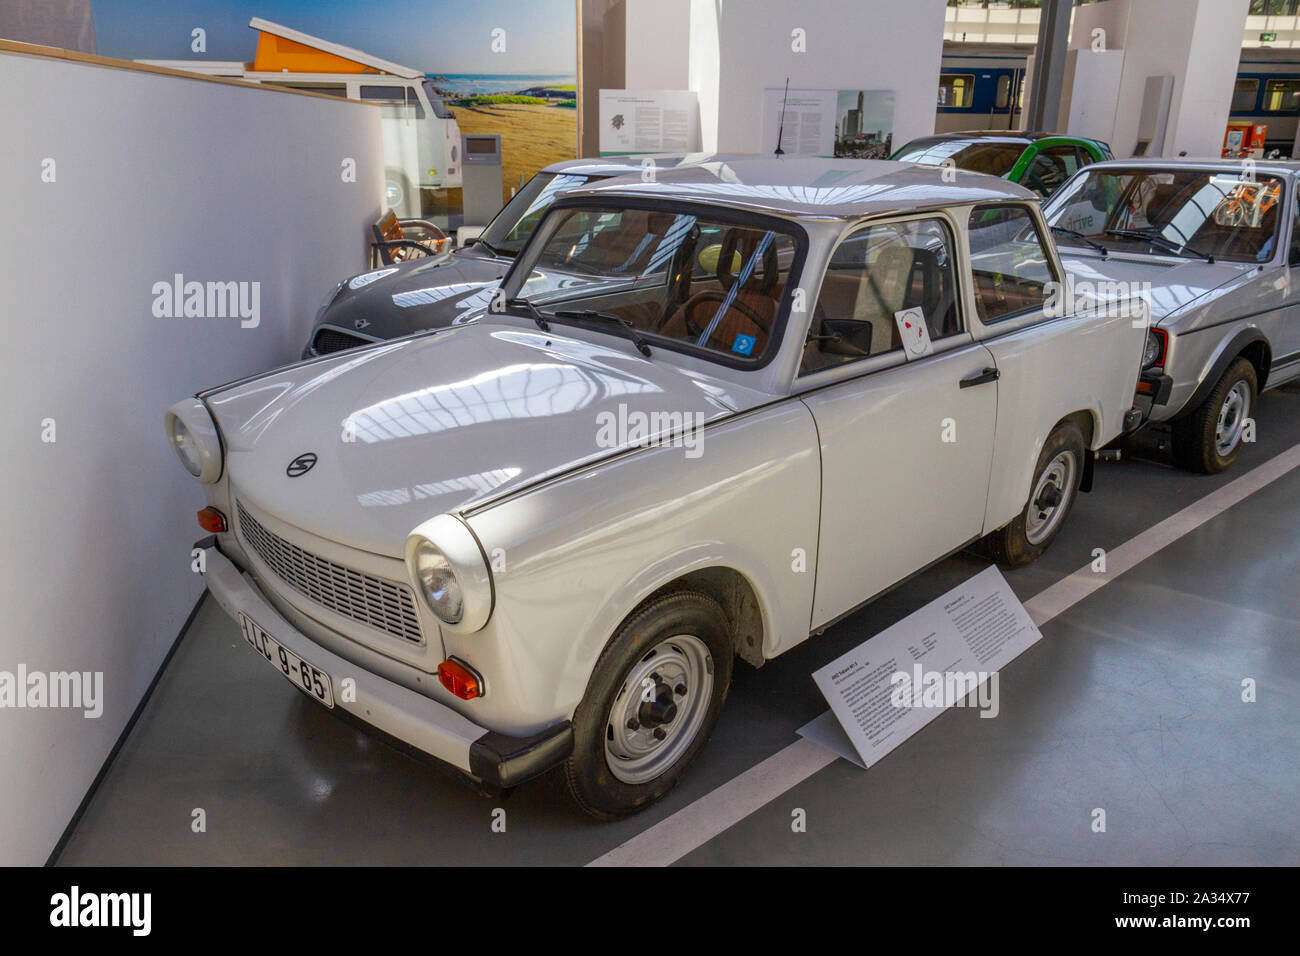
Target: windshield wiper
1074	234
1158	240
533	311
629	330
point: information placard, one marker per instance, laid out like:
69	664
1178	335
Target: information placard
649	121
946	654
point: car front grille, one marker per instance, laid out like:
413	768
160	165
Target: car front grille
332	340
376	602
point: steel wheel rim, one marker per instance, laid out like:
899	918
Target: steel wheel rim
1232	419
634	754
1051	497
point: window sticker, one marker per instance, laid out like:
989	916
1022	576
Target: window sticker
744	344
914	332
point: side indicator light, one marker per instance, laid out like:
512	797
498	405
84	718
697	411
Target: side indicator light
212	520
460	679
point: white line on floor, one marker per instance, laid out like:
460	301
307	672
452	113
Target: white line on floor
695	824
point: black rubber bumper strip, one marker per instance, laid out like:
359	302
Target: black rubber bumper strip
508	761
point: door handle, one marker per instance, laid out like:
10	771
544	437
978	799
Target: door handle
981	378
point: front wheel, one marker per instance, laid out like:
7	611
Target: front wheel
651	704
1052	494
1210	438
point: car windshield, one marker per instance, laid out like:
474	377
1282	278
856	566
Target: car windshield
976	155
713	282
1227	214
510	229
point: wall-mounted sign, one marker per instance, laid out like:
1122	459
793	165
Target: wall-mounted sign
649	121
856	123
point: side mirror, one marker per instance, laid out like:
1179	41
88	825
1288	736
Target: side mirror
846	337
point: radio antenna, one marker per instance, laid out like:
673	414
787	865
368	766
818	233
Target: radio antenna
780	130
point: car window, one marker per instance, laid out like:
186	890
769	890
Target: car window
1188	213
978	156
1009	263
511	227
699	280
874	276
1050	168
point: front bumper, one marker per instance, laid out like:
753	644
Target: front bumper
419	722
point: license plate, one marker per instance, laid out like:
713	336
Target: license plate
311	680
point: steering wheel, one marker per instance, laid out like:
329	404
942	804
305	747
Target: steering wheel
711	295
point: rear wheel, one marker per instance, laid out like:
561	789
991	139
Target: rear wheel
1052	494
1210	438
651	704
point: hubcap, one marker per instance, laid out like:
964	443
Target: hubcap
1051	497
1232	419
659	709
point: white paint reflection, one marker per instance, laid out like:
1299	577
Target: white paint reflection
480	483
526	390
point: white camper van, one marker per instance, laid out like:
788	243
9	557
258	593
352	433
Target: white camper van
421	138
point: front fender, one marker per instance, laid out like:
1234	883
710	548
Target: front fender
578	554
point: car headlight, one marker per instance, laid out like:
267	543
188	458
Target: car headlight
329	299
448	568
1154	350
438	584
193	436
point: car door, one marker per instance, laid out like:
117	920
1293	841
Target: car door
1053	359
906	438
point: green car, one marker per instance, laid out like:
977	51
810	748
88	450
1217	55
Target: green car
1038	161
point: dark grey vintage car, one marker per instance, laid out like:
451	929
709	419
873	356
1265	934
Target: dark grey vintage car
447	289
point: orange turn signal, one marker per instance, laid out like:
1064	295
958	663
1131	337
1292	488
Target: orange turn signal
460	679
212	520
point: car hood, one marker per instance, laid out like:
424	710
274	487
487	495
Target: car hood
1173	284
412	296
403	431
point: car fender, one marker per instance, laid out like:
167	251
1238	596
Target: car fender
579	553
1230	348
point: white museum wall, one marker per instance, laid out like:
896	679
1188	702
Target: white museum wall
883	45
729	52
1090	92
1196	41
153	176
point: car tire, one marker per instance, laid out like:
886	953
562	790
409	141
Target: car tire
1210	438
671	642
1052	494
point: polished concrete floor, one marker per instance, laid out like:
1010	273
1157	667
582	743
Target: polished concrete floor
1130	703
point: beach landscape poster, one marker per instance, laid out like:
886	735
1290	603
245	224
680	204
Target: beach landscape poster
864	124
500	66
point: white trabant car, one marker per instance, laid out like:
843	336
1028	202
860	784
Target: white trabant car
767	391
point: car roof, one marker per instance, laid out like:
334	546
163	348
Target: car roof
991	136
806	187
1277	166
622	165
